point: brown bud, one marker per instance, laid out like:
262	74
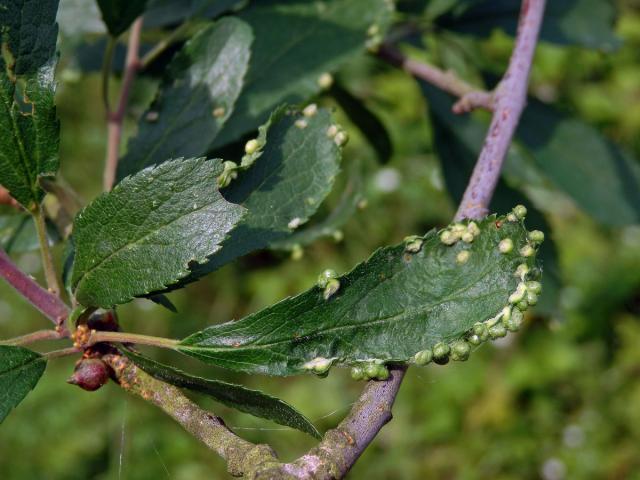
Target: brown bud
90	374
103	320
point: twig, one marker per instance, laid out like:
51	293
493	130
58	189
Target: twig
47	260
115	118
50	305
510	99
33	337
241	456
65	352
469	96
341	447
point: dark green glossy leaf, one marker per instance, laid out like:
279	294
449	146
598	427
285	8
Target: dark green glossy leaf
296	42
144	234
366	121
588	23
601	178
291	177
196	98
387	309
235	396
118	15
20	370
458	140
29	140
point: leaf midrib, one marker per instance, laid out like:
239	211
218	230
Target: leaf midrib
88	272
388	319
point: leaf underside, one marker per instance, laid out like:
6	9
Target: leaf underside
387	309
20	370
249	401
144	234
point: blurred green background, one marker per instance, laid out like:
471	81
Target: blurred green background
560	399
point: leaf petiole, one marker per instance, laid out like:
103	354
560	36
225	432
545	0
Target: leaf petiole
47	259
122	337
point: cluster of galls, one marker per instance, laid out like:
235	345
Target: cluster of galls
510	318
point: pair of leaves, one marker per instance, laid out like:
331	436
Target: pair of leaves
249	401
196	99
295	43
294	173
387	309
146	236
20	370
29	143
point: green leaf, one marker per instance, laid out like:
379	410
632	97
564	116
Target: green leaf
394	305
29	140
601	178
118	15
366	121
144	234
196	98
344	210
20	370
235	396
589	23
296	42
458	140
288	180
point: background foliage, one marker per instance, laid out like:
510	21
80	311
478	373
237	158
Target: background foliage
558	400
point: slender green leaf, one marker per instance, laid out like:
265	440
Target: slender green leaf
29	140
196	98
118	15
20	370
398	303
288	180
296	42
253	402
144	234
589	23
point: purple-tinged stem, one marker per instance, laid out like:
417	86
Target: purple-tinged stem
509	102
49	304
